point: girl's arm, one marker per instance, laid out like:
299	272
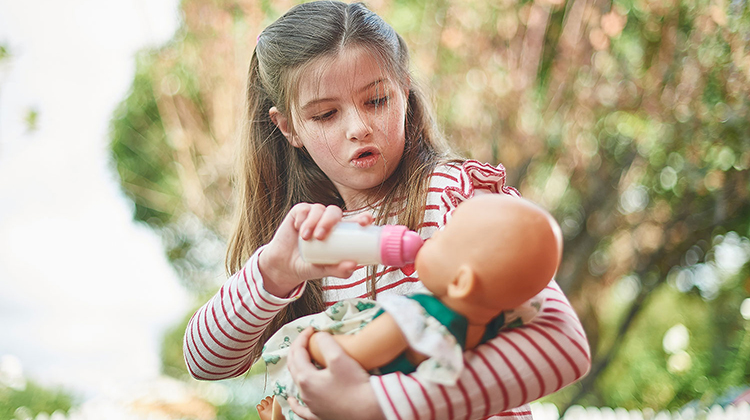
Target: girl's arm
221	334
518	366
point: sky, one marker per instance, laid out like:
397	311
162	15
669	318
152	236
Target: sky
85	293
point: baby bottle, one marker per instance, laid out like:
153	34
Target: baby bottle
392	245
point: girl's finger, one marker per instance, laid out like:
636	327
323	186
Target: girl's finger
365	219
343	270
301	410
299	214
330	217
332	352
311	221
298	358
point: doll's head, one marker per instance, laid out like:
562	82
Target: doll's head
496	252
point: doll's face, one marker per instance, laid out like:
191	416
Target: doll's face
439	258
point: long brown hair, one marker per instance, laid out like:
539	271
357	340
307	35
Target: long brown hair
273	176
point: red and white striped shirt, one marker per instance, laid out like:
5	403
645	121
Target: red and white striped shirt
501	376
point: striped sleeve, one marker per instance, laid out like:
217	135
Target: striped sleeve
518	366
220	335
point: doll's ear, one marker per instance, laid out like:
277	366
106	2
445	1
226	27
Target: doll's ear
463	284
282	122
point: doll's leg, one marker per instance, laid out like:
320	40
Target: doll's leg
269	409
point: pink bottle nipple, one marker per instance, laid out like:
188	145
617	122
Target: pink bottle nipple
398	245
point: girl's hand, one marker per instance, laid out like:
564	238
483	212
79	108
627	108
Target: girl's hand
280	262
340	391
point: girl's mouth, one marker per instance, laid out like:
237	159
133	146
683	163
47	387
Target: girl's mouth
365	159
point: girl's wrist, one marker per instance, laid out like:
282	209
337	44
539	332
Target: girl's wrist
272	277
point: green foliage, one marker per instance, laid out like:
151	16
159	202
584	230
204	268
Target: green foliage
142	152
145	159
31	119
645	375
238	408
4	53
31	400
640	377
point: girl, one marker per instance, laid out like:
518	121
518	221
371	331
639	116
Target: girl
334	119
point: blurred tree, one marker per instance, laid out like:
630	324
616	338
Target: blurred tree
31	400
31	119
5	58
628	119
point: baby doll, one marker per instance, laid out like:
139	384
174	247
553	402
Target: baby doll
494	255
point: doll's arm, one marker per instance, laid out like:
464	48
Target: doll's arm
518	366
374	346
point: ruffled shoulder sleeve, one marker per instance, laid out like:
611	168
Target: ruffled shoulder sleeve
478	178
453	183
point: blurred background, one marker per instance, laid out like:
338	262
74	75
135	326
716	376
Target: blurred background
628	119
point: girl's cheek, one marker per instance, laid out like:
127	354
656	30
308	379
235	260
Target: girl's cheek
392	119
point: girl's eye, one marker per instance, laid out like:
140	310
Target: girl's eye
380	101
324	116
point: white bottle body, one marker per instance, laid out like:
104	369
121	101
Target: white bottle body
347	242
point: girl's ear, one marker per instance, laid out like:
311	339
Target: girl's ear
282	122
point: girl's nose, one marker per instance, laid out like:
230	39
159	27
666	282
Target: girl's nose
357	126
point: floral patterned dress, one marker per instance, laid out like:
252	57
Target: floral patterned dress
430	328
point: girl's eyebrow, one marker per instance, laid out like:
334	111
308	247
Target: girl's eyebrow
320	100
370	85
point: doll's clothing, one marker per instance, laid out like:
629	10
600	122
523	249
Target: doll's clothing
345	317
430	327
436	331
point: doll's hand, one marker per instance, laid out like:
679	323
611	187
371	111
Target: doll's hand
281	264
340	391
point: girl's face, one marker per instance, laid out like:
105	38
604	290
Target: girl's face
350	117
